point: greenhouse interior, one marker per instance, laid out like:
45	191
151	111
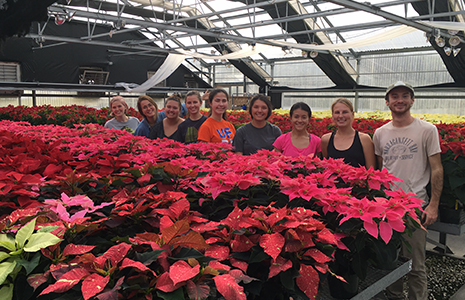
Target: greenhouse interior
101	200
83	52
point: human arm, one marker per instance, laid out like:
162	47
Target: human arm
324	144
368	150
377	150
380	162
317	146
437	174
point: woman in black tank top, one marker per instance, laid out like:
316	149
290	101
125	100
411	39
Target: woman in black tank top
356	148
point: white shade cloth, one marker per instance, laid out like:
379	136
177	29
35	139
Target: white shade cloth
171	63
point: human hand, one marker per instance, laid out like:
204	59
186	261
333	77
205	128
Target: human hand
430	215
206	95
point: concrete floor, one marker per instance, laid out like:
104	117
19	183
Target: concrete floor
456	243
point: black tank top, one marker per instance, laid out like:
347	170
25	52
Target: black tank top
353	156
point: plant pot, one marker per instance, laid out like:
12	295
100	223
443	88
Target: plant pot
382	256
451	216
343	290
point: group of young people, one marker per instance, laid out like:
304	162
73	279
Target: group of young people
354	147
406	146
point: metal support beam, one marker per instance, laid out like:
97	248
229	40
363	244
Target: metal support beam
373	9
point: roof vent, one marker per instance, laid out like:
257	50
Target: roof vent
91	75
10	71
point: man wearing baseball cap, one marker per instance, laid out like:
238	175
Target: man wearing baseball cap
409	148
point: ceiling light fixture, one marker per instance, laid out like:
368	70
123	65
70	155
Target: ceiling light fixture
119	24
440	41
447	51
313	54
456	51
454	41
60	18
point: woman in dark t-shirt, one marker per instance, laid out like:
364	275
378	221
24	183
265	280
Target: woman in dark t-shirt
356	148
259	133
189	129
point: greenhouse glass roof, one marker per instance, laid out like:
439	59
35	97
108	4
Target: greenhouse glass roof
332	33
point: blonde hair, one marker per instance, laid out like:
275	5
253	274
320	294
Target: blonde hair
344	101
121	99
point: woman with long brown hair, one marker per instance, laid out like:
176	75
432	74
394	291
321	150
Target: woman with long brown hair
216	129
168	127
149	110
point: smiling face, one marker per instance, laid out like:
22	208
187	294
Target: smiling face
118	109
219	104
172	109
148	109
342	115
259	111
300	119
193	104
400	100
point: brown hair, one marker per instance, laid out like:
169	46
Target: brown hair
210	99
344	101
175	97
263	98
192	93
121	99
149	99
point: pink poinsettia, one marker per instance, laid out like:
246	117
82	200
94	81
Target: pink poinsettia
61	206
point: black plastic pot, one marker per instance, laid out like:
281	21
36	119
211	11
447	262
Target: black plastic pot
343	290
451	216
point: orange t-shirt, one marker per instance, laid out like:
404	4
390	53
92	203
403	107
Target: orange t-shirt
213	131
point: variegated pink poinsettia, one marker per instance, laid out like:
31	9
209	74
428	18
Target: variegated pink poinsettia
378	215
100	156
288	236
61	206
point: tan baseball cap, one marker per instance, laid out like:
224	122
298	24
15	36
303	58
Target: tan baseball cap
399	84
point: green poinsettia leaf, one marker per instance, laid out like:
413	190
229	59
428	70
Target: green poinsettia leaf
7	242
257	255
24	233
135	172
17	252
29	265
456	181
3	256
148	257
175	295
47	229
6	268
6	292
41	240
